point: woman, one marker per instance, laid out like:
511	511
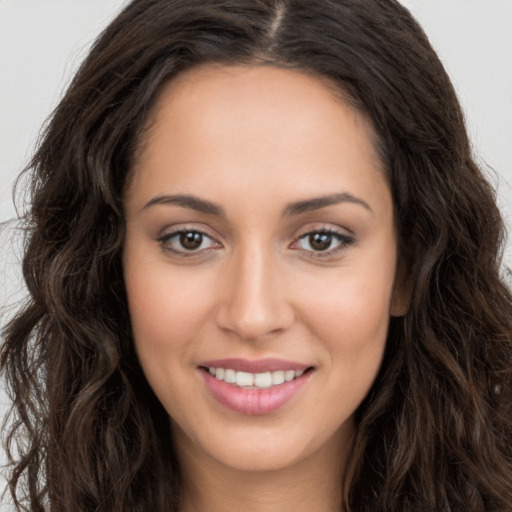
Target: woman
263	273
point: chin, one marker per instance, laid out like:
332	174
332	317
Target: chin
267	447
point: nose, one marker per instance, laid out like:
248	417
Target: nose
254	302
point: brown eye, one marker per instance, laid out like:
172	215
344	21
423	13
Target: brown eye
191	240
187	242
323	243
320	241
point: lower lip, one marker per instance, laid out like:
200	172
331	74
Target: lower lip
254	401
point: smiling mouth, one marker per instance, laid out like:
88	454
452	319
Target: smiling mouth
254	387
247	380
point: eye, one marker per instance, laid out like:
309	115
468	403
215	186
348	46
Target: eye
323	242
187	241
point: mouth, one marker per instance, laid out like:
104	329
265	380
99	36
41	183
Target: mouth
248	380
254	387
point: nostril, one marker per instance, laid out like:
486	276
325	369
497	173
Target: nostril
252	322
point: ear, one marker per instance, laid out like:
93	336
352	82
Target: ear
402	292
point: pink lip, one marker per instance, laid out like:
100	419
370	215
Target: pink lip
253	401
256	366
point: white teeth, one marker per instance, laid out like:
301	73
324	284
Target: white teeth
277	378
230	376
289	375
244	379
263	380
254	380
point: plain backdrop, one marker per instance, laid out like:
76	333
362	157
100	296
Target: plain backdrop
42	42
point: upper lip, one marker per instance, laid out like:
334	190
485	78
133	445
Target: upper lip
255	366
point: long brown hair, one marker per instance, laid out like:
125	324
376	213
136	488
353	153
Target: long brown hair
435	431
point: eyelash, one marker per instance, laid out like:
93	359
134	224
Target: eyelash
343	240
166	242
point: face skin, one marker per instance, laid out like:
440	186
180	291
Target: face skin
260	143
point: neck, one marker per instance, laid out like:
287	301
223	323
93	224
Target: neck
313	483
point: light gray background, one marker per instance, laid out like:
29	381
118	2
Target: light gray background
43	41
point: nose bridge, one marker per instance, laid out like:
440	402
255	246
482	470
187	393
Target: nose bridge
255	303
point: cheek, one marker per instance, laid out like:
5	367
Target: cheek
357	312
167	310
167	315
354	332
353	327
350	315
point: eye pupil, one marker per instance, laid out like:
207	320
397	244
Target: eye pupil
191	240
320	241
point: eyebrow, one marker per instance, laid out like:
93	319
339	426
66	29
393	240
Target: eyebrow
317	203
188	201
295	208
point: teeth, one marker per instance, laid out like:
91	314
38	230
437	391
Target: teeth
243	379
230	376
263	380
254	380
277	378
289	375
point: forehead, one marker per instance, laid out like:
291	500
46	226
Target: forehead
215	91
250	83
242	125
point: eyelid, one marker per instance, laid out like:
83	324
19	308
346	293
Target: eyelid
173	231
345	240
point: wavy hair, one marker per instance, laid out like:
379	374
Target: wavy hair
435	431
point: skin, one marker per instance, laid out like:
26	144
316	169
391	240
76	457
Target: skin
253	141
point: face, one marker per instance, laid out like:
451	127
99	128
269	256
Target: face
259	262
